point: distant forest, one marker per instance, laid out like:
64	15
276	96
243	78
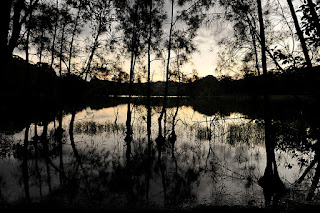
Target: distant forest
75	47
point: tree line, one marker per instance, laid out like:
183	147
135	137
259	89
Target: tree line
91	38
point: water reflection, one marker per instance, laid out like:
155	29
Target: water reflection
273	187
116	158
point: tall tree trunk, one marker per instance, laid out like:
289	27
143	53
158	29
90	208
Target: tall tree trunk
4	28
61	49
93	50
28	39
254	44
258	37
17	22
27	82
5	10
300	35
72	39
129	132
173	136
54	35
149	75
167	70
263	40
16	26
148	170
41	46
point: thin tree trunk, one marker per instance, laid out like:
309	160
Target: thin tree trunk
148	170
167	70
300	35
95	45
72	39
54	35
149	75
129	132
254	44
263	40
41	46
178	92
315	160
258	37
27	39
61	48
27	82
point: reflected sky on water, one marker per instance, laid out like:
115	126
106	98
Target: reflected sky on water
216	160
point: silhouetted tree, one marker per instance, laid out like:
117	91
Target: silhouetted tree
78	21
35	141
64	23
310	21
101	22
54	33
300	34
247	38
155	17
76	153
133	24
10	30
271	183
192	17
262	37
4	31
41	28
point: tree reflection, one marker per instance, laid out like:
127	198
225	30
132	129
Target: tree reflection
44	140
209	155
149	151
35	141
315	179
25	168
128	139
77	155
271	183
58	136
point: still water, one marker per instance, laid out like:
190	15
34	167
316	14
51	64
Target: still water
84	158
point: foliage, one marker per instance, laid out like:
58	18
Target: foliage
310	24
